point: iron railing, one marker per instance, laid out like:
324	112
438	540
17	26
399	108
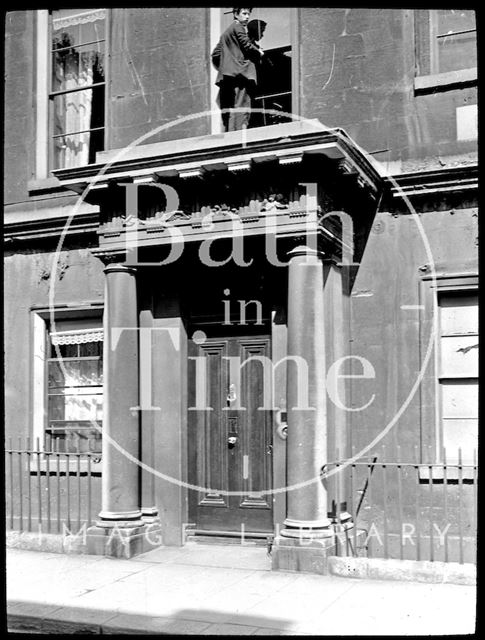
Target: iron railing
410	510
396	509
49	489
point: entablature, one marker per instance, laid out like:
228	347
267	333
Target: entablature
284	180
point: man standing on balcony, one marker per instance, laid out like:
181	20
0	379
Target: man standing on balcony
234	58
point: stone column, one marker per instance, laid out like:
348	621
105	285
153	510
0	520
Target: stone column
305	541
307	428
120	530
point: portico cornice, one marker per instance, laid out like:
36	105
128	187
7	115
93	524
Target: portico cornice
235	151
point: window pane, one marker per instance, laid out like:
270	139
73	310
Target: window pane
437	49
74	374
78	111
274	73
458	314
459	400
277	31
56	407
279	103
460	434
457	52
56	376
91	349
452	20
78	67
64	351
76	26
76	436
273	89
78	149
80	406
459	357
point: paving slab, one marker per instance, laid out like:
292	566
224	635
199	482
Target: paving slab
229	630
130	623
76	614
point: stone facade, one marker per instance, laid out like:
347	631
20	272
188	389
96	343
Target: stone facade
355	71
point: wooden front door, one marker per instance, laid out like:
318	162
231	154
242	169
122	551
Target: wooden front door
229	441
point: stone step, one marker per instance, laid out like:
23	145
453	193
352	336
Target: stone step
229	540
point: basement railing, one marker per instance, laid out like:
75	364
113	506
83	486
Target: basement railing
48	489
409	510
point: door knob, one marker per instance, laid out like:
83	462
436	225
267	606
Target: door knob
231	441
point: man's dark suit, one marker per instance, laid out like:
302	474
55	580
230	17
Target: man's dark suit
234	57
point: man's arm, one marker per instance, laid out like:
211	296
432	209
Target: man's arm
216	55
250	49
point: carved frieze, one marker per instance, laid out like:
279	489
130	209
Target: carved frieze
272	203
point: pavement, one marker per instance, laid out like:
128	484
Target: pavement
219	590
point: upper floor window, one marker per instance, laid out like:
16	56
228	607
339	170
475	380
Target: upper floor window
446	40
77	86
273	29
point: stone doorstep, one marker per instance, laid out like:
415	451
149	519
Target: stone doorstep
404	570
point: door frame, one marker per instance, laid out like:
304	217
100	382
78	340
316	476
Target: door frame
276	332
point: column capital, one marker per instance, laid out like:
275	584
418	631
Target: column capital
331	259
118	266
303	250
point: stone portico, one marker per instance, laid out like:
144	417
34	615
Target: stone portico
285	198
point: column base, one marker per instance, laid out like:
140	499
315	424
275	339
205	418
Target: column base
122	539
307	529
150	515
309	554
304	554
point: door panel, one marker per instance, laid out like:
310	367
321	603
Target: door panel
256	446
230	447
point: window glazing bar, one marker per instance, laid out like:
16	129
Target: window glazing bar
53	94
78	45
75	133
455	33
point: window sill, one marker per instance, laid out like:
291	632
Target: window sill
445	81
64	466
38	187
